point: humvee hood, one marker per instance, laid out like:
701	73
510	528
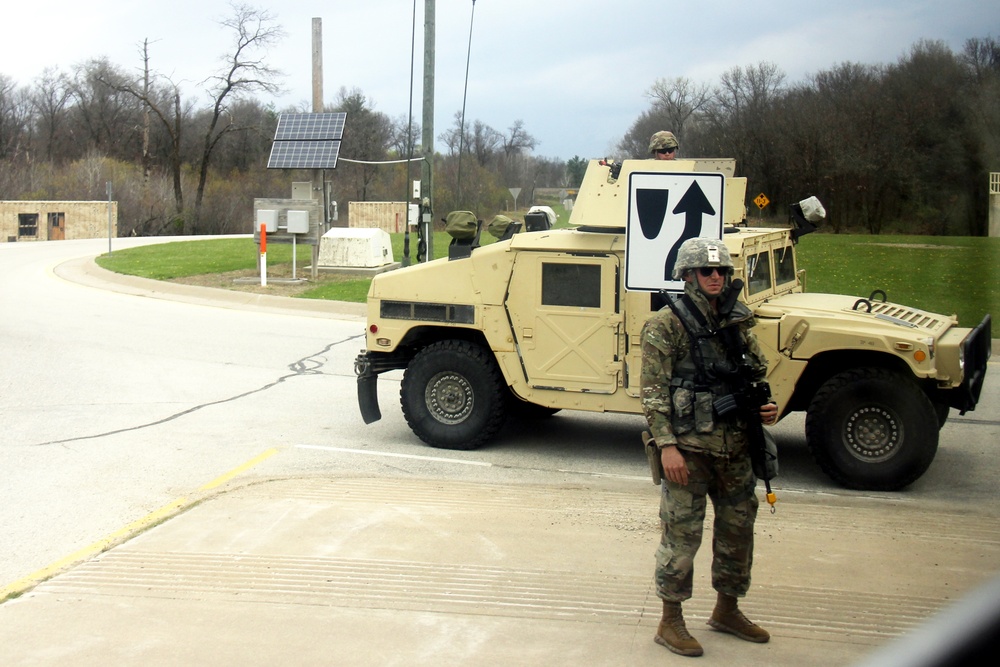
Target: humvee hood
863	313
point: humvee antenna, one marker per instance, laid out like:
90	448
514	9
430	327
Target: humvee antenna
465	93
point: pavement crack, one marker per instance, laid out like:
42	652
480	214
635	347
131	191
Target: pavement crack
311	364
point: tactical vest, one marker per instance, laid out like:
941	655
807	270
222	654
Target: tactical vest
700	377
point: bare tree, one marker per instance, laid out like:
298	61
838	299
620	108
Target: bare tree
740	115
517	140
485	143
477	139
15	111
677	100
516	144
405	136
245	73
49	99
982	57
367	137
105	117
452	138
164	102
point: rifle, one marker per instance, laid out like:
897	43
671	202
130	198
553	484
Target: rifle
746	400
748	397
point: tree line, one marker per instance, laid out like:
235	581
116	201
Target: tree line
902	147
906	146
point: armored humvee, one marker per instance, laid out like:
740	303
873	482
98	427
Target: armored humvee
549	320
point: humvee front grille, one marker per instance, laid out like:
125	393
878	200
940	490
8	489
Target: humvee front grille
428	312
905	316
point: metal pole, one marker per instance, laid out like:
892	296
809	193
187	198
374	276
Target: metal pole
427	140
409	145
318	177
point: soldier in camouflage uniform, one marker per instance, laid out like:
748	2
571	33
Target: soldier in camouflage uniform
702	454
663	145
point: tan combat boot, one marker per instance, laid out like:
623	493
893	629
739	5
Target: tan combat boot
728	618
673	634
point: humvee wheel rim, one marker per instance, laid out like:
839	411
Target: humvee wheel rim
873	434
449	398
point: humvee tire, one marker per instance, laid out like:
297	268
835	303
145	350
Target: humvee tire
453	395
872	429
942	410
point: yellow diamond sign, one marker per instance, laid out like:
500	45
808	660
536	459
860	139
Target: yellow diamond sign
761	200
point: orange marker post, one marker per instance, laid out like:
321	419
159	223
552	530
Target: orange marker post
263	255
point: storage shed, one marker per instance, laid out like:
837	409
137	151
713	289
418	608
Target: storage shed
56	220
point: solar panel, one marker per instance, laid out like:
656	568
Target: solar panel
304	155
310	126
307	141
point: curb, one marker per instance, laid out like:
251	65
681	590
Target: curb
85	271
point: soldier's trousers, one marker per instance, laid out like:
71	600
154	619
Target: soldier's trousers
730	484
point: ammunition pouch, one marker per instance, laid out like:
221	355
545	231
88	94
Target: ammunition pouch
653	454
725	406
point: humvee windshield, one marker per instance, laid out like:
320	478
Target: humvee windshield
760	276
759	272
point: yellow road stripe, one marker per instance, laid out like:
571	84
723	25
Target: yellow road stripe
219	481
131	529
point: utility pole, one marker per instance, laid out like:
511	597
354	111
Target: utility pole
427	136
317	64
319	175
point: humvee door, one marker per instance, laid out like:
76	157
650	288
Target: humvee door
566	320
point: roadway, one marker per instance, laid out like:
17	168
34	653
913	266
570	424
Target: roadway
214	438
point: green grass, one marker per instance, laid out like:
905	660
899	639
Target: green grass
942	274
355	291
939	274
180	259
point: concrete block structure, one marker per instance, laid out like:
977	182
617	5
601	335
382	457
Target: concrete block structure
56	220
388	216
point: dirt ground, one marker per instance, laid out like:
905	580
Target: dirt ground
279	280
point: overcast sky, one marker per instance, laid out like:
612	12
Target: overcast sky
575	71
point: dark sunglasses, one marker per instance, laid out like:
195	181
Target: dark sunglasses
662	151
707	271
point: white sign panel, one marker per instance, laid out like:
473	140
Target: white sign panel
664	210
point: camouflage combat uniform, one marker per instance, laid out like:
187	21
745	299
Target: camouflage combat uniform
716	455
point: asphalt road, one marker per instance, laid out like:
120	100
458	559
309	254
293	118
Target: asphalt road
115	404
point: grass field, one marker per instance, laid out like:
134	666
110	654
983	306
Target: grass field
939	274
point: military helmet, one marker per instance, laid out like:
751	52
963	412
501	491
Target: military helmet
698	252
662	139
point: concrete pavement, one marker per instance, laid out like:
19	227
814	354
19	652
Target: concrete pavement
361	571
323	570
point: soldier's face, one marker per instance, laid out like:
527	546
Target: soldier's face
712	284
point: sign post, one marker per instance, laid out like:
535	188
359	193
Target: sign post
761	200
514	193
263	254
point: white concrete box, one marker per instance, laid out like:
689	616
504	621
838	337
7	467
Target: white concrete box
355	248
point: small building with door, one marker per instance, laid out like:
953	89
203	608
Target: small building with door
56	220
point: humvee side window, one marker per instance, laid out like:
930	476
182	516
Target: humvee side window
577	285
759	272
784	265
